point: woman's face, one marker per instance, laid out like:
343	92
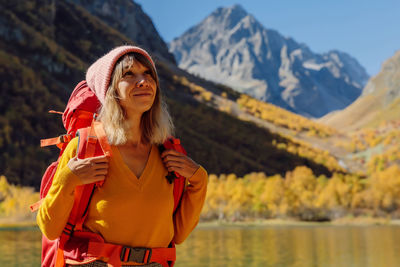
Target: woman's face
136	89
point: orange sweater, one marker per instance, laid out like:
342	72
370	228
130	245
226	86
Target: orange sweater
126	210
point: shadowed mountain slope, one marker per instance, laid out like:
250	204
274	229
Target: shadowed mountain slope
45	48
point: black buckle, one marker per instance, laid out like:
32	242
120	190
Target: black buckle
137	255
171	177
63	138
69	229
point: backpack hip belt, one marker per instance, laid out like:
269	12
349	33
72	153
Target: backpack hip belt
87	247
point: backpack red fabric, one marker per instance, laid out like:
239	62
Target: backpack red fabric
81	107
78	117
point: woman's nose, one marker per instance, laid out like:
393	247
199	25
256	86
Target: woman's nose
141	82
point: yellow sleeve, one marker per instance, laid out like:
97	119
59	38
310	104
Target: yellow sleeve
188	214
56	206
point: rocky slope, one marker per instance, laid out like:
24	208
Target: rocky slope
127	17
231	47
379	102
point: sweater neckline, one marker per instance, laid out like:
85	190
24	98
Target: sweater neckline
137	180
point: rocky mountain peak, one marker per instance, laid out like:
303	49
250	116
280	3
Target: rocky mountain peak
348	65
228	17
231	18
231	47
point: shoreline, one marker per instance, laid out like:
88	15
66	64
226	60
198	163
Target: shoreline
8	223
346	221
354	221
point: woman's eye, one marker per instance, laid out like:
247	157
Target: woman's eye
128	73
147	72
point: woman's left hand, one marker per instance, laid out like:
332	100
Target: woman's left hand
180	163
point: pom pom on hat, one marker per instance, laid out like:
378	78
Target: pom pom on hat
99	73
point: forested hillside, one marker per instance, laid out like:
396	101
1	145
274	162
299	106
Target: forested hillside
45	48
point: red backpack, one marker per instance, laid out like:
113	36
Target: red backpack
76	245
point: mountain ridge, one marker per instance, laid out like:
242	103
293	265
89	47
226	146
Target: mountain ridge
231	47
131	21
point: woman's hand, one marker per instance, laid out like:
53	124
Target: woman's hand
180	163
89	170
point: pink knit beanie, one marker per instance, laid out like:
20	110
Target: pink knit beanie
99	73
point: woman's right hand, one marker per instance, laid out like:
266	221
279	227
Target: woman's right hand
89	170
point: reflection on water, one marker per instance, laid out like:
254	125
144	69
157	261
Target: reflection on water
286	246
290	246
20	247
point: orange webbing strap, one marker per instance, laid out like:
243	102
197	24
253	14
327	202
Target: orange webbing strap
101	136
163	254
96	135
65	138
49	141
56	112
82	195
91	141
117	254
60	261
176	143
35	206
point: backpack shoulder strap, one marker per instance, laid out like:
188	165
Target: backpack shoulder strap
174	177
92	142
82	196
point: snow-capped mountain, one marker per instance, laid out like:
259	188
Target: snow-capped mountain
231	47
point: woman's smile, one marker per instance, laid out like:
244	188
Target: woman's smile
142	93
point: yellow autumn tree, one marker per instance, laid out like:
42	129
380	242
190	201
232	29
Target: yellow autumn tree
384	190
15	201
255	183
211	204
299	194
239	201
273	193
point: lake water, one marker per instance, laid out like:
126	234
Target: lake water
278	246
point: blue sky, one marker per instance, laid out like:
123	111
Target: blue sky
367	30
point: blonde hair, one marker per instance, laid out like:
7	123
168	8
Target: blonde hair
156	123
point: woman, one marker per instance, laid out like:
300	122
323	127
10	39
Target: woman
134	207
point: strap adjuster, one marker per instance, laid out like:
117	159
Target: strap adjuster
176	141
138	255
69	229
65	138
92	139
